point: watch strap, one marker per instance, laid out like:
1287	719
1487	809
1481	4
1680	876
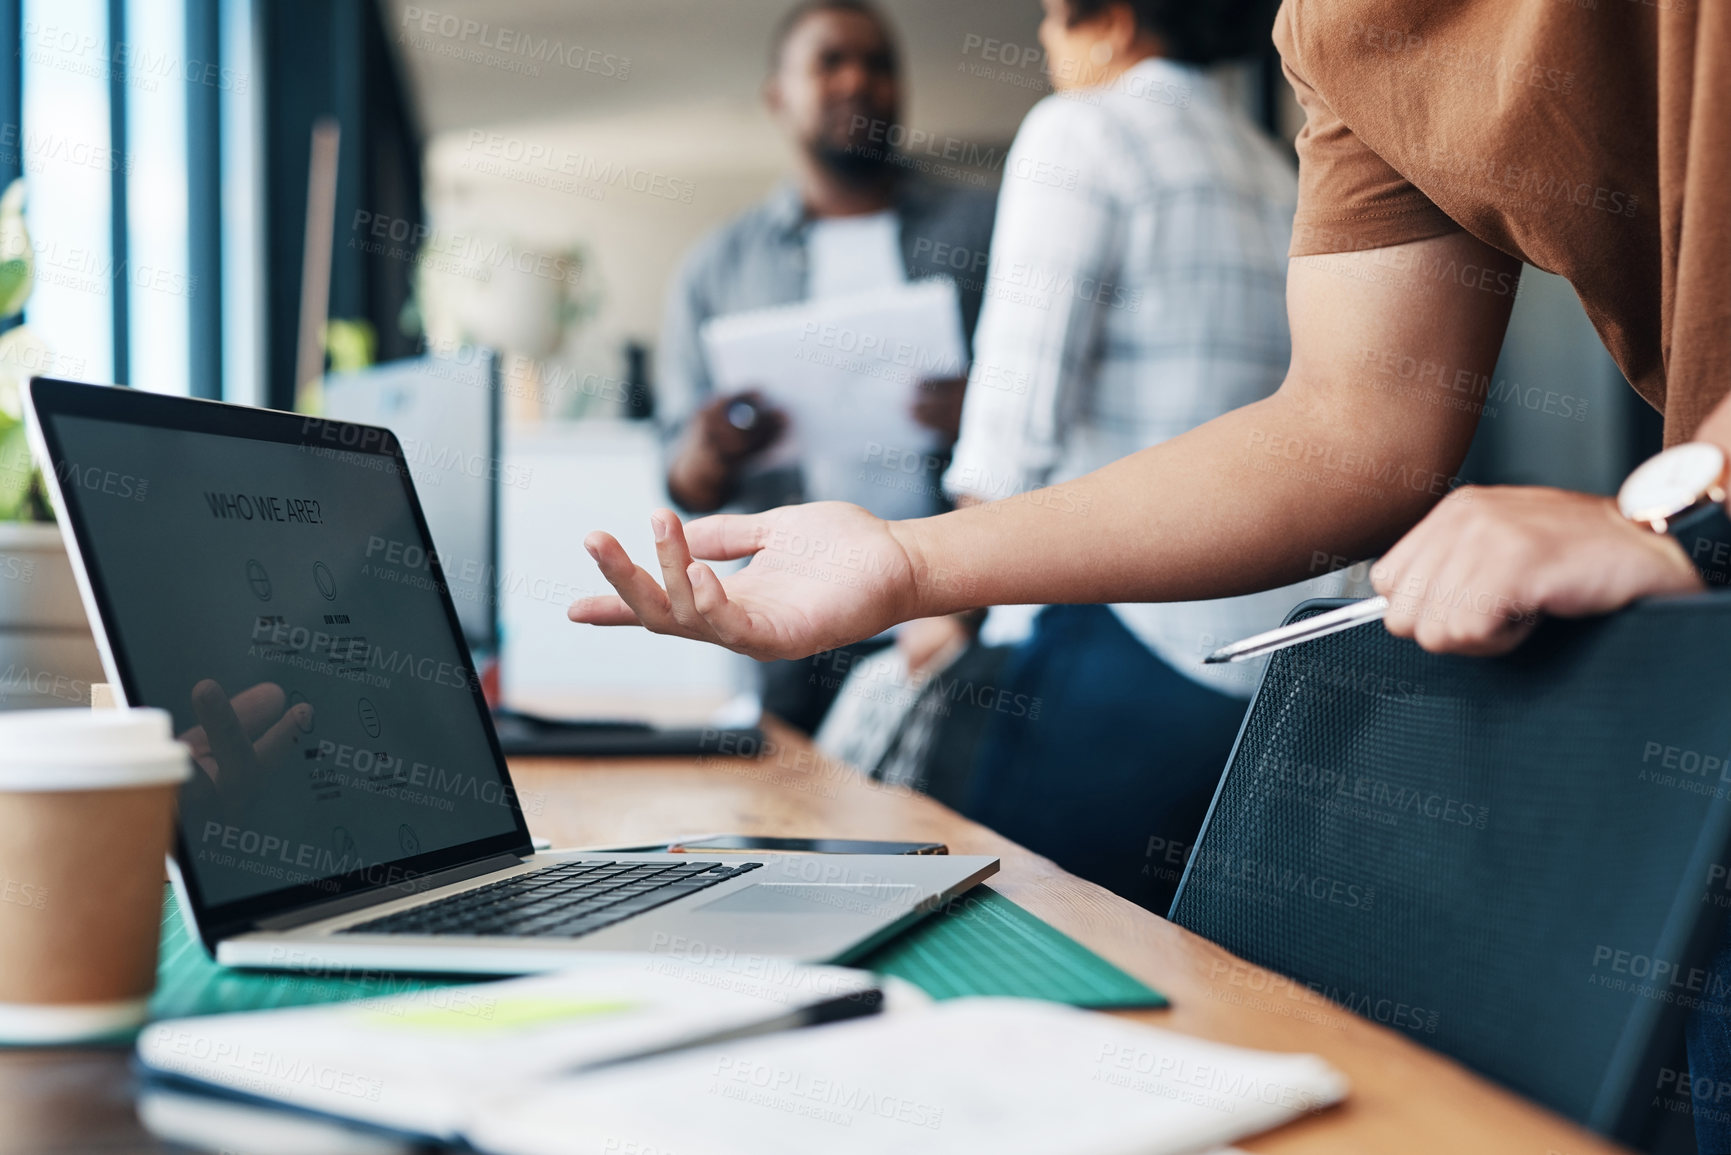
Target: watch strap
1705	535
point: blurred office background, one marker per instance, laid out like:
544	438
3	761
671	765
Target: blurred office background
167	143
166	146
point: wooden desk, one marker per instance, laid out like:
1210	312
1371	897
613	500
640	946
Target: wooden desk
1404	1098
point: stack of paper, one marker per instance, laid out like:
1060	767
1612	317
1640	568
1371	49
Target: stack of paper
1004	1076
846	372
676	1058
431	1062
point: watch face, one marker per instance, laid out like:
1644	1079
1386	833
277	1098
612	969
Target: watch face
1671	482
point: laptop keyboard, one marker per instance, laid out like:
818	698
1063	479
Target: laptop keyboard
564	901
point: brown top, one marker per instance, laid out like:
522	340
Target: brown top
1590	138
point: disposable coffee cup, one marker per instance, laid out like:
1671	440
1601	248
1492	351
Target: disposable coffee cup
86	810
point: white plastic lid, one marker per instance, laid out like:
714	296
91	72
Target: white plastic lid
70	1022
73	749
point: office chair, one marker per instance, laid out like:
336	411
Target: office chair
1520	862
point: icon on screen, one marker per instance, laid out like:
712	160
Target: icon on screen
369	716
323	578
258	579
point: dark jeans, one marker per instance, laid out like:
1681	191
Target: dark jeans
1710	1058
1110	768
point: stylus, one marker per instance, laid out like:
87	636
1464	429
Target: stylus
1320	626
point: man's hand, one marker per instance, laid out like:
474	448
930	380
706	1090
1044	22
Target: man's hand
939	406
242	737
722	437
1475	575
821	575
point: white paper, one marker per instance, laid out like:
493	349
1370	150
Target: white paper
427	1061
846	371
1008	1076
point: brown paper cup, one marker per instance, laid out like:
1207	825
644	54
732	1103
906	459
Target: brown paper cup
86	814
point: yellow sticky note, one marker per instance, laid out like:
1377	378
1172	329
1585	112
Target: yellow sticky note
480	1012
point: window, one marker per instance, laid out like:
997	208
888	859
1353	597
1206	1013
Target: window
159	284
242	369
136	141
70	167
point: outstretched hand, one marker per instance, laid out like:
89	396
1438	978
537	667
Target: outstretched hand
820	576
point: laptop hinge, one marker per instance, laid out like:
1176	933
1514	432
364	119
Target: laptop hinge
426	882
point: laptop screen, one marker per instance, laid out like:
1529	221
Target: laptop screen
272	589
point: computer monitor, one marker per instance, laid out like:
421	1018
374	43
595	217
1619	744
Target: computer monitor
445	410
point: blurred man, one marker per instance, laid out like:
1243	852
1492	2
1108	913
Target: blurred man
852	219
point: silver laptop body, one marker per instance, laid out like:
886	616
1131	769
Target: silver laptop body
269	580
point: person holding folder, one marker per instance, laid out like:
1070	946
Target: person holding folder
854	219
1443	145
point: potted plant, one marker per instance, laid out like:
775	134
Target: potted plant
47	656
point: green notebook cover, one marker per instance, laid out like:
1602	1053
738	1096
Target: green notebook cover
979	944
984	944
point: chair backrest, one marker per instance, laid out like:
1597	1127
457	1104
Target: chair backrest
1520	862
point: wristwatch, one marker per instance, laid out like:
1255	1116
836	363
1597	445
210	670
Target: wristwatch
1681	492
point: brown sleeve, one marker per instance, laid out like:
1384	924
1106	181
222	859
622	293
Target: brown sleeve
1349	198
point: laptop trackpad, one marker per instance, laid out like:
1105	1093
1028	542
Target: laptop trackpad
811	898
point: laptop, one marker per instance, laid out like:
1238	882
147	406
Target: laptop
444	408
269	581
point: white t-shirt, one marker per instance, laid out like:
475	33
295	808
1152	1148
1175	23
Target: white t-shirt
853	255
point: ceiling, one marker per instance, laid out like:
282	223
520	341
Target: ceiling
483	63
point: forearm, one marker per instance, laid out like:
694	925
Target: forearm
1260	497
1363	437
1335	466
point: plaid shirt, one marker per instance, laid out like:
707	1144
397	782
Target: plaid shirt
1136	289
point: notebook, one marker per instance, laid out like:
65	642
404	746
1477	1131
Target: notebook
430	1061
1006	1076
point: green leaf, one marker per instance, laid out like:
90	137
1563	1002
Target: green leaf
16	469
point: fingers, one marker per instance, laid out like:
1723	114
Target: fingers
726	536
1404	574
727	620
1404	583
1470	606
274	746
229	744
646	600
1481	637
741	425
774	424
602	610
1456	582
199	746
769	424
694	604
674	556
258	707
